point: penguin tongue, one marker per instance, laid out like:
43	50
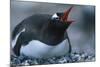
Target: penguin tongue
66	13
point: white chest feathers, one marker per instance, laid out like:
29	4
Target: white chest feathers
37	49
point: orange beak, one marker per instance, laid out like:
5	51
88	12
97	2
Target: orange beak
66	14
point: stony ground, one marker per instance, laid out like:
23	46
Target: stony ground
74	57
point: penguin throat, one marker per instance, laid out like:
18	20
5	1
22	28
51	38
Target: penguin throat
52	36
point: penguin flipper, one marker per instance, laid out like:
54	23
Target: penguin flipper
17	29
17	46
23	40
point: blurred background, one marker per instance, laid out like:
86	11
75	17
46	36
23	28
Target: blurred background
81	32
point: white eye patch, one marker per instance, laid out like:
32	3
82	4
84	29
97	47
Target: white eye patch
54	16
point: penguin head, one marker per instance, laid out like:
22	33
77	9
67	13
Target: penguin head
61	19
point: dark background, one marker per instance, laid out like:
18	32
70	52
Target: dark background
81	32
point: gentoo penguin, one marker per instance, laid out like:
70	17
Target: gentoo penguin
42	35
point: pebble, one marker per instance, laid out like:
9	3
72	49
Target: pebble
74	57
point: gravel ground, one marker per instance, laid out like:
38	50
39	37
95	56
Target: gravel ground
72	58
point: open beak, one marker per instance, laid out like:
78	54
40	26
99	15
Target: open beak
66	14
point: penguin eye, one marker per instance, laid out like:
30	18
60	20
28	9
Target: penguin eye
57	18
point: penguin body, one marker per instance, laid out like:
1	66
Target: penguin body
41	36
